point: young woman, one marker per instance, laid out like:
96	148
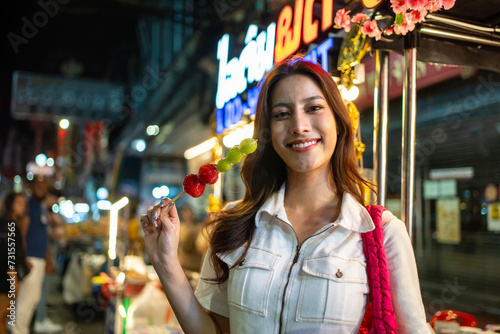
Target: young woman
13	226
289	257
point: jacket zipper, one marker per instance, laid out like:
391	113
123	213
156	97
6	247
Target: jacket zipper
297	253
295	259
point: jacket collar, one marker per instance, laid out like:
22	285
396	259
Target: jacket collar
353	216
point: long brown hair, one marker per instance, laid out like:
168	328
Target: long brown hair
7	210
264	172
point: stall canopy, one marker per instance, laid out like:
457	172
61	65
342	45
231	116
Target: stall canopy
467	35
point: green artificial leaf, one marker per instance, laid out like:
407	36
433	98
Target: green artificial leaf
399	19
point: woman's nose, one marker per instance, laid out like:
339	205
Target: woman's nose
300	124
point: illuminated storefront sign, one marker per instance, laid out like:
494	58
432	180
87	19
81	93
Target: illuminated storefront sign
288	38
48	97
261	50
234	109
255	59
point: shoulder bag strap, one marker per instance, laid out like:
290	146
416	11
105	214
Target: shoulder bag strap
384	320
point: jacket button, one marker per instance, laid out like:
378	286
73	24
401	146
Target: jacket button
339	274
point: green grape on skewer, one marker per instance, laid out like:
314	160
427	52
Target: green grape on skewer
236	154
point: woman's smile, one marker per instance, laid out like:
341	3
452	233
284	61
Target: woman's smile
303	145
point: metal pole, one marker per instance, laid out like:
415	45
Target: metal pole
464	25
408	135
380	119
418	216
458	36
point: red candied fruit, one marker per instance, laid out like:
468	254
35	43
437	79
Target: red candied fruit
208	173
193	186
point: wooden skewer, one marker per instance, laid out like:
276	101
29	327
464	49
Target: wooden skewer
171	204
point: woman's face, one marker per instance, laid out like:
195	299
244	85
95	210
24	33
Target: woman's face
304	131
19	206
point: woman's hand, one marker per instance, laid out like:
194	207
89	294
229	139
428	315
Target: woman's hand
161	233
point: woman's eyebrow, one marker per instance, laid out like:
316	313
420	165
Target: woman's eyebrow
307	99
312	98
280	104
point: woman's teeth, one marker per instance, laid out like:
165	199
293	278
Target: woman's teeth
309	143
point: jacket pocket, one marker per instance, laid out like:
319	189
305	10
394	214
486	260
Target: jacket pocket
249	283
333	290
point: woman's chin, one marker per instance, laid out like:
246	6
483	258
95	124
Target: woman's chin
302	169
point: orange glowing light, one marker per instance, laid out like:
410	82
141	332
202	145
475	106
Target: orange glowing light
288	40
310	27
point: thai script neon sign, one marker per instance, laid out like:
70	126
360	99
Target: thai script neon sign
261	50
255	59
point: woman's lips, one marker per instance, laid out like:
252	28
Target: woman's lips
301	146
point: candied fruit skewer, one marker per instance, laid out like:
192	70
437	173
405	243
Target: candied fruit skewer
194	184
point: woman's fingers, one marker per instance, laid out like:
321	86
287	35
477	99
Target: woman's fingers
168	211
164	201
152	218
146	223
163	212
144	220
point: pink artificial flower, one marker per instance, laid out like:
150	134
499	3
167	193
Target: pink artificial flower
399	6
400	29
416	4
370	28
418	15
433	5
410	25
447	4
343	20
404	27
389	31
358	17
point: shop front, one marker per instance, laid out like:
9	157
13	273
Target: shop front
454	179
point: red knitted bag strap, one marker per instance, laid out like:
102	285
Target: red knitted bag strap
384	320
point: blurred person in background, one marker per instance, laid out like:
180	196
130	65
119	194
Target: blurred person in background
54	225
30	288
134	231
189	256
13	223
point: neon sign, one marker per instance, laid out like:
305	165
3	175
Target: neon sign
288	38
255	59
234	109
259	54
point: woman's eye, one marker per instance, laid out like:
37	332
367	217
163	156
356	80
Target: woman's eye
315	108
281	114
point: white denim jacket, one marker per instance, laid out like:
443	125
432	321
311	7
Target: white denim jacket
283	287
